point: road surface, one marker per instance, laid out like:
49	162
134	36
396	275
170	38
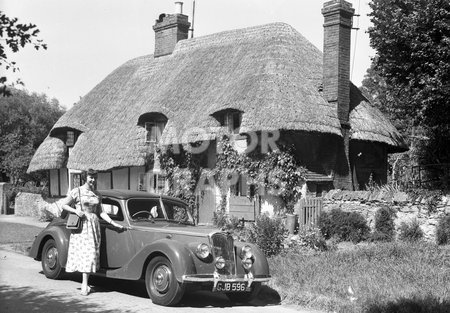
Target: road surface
24	288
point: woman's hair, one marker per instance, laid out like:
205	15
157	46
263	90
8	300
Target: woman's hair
91	172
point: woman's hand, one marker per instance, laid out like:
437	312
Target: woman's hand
117	225
79	213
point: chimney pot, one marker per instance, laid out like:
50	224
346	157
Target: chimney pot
169	29
178	7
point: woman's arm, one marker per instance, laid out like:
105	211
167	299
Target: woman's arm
106	217
66	204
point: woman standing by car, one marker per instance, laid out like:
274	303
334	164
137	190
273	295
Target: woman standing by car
84	244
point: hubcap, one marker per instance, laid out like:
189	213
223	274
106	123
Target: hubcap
52	257
161	278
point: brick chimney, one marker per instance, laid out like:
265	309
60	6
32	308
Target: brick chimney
336	55
169	29
337	25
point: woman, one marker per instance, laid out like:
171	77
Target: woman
84	245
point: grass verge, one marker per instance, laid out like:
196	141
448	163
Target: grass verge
17	237
387	277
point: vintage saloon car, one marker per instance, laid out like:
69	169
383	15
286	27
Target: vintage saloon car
162	246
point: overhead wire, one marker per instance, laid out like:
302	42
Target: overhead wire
356	39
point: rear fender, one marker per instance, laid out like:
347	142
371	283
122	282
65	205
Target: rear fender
61	237
178	254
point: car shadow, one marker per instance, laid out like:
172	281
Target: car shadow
196	299
201	299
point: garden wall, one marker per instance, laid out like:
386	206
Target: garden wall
426	211
31	204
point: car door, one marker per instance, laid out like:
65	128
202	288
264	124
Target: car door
116	246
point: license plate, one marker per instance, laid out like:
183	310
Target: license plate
231	286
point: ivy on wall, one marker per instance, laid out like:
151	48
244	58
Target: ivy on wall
275	173
182	170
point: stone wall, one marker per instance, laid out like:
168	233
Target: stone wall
407	209
31	204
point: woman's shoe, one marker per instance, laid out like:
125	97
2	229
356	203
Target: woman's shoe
85	292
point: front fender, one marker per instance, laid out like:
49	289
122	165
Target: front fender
61	237
178	254
261	266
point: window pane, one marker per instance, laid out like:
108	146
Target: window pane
70	139
142	181
236	122
112	208
154	131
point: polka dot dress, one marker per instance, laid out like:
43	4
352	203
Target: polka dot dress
84	245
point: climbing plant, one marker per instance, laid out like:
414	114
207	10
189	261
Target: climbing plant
275	173
182	171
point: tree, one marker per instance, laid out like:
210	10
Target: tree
14	37
412	40
25	121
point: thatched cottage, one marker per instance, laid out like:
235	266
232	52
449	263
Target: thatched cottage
260	80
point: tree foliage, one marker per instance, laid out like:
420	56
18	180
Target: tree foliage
411	74
14	37
25	121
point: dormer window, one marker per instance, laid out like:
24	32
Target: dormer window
230	119
233	122
154	131
71	138
154	124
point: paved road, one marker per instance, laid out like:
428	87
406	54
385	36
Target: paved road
24	288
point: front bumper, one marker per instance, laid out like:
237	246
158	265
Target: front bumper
215	278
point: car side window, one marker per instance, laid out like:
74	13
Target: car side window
145	208
112	208
177	212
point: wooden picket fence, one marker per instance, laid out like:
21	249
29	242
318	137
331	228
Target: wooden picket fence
309	210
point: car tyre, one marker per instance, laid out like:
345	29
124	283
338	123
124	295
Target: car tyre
244	297
50	260
161	283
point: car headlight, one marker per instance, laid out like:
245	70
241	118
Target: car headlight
247	263
220	263
246	252
203	251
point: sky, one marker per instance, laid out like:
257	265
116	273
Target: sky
88	39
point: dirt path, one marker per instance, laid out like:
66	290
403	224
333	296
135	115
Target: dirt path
24	288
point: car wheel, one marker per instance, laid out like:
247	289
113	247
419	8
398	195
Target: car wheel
244	297
50	260
162	285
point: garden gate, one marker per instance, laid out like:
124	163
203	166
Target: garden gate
309	212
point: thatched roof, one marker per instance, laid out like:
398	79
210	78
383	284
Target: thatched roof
271	73
51	154
369	124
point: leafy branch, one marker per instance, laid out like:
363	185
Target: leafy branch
15	36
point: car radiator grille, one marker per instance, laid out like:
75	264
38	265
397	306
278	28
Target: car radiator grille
223	246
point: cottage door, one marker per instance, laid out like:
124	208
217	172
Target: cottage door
207	206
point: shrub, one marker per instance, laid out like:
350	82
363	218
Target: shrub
344	226
384	225
443	231
228	223
308	239
267	233
410	231
219	218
